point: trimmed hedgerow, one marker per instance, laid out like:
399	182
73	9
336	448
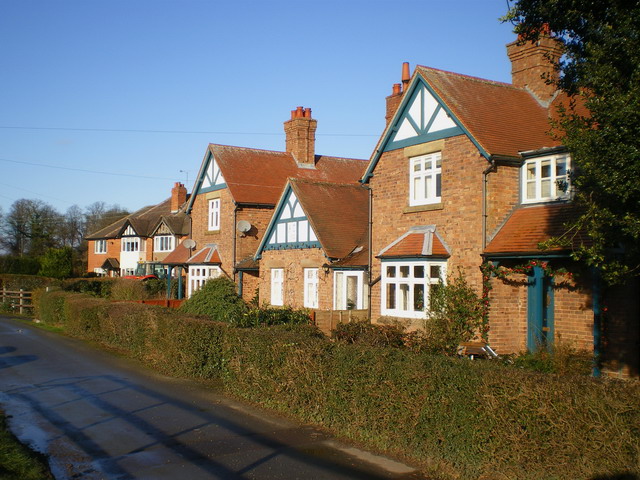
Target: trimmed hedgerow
26	282
457	418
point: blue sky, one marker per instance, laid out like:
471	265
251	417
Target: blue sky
110	100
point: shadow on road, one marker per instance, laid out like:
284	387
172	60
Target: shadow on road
124	427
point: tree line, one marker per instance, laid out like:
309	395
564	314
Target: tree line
35	238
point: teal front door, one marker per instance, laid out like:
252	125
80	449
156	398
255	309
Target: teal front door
539	310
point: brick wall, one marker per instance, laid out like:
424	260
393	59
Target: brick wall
294	262
95	260
458	219
508	315
503	195
246	244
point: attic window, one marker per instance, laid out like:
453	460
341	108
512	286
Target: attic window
546	179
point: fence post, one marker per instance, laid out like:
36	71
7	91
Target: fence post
20	300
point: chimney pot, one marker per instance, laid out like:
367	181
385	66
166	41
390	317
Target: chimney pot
397	89
406	75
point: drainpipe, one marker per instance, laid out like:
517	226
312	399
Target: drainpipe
235	237
370	241
597	321
485	178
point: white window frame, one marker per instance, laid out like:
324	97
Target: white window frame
131	244
214	214
163	243
277	286
310	287
340	290
100	247
400	307
555	192
424	169
198	276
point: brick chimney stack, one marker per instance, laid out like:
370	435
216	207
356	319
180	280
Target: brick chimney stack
300	134
393	100
532	63
178	196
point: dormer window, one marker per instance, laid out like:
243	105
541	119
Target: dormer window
163	243
545	179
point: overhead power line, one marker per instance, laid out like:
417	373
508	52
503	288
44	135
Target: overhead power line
85	170
140	130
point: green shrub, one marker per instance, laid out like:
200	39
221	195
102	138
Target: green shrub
128	289
16	265
218	300
559	358
157	288
26	282
455	315
267	316
96	286
57	263
365	333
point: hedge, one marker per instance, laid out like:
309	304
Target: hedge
453	417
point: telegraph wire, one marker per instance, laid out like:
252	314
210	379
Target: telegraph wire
179	132
85	170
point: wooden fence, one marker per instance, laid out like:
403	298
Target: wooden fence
326	320
19	300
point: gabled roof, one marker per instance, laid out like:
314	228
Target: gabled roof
337	213
418	241
143	221
111	264
178	224
181	255
500	119
257	177
504	119
528	226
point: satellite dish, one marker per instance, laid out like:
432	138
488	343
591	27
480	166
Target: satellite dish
189	243
243	226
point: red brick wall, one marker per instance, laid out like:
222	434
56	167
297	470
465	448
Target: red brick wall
95	260
294	262
246	244
503	192
508	315
459	221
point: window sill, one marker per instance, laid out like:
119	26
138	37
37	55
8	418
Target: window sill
212	232
424	208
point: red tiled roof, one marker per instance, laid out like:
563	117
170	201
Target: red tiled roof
258	176
338	214
179	256
530	225
417	242
504	119
206	255
183	256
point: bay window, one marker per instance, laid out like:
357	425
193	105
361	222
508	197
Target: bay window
406	286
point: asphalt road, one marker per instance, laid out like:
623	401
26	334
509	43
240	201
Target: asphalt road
98	416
